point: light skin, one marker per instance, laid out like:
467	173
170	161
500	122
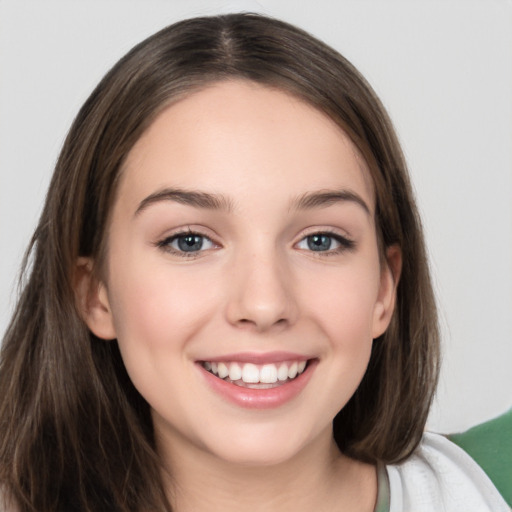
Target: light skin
278	208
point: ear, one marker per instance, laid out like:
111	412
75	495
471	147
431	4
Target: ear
391	268
92	300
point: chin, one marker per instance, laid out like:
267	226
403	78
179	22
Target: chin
255	458
261	448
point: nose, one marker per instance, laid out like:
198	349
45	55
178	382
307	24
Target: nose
261	293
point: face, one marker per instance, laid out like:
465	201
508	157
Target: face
243	280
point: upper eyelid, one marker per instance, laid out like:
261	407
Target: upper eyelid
178	234
318	230
189	230
185	230
336	236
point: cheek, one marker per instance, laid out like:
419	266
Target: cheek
155	306
156	313
342	306
343	301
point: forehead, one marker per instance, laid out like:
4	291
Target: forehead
238	138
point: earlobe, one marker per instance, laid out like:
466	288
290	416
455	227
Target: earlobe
390	276
92	300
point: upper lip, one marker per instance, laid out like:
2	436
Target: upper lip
257	357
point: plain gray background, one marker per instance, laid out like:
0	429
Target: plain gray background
442	68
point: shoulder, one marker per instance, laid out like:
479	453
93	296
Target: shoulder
440	476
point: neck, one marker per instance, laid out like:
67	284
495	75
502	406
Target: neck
317	478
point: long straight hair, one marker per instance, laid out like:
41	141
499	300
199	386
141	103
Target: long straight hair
75	434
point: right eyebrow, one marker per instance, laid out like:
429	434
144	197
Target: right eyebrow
325	198
193	198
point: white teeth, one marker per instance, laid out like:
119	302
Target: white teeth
282	373
250	373
222	370
268	374
235	372
253	374
292	371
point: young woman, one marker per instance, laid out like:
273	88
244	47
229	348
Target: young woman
227	302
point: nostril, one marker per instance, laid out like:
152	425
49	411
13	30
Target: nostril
245	323
261	325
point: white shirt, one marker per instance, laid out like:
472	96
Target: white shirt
440	477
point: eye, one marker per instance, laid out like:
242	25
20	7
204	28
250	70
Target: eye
325	242
187	243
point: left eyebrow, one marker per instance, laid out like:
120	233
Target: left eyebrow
325	198
194	198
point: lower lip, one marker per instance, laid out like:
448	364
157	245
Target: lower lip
259	398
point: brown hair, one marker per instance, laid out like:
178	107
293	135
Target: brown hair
74	432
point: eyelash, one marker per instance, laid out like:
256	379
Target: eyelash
165	244
344	243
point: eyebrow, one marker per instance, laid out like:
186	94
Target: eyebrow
193	198
325	198
209	201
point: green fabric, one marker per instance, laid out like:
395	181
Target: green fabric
383	492
490	445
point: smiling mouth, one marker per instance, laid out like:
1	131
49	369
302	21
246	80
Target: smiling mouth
254	376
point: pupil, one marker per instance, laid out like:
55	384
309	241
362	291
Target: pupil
190	243
319	242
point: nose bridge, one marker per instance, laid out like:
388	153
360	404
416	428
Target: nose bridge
261	288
